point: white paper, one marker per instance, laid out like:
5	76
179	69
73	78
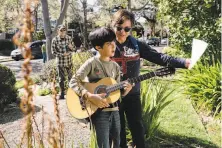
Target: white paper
198	48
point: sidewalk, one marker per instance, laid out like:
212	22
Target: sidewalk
5	58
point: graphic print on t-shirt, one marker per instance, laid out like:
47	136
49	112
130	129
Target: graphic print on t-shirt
128	54
98	71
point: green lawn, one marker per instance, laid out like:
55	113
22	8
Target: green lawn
181	126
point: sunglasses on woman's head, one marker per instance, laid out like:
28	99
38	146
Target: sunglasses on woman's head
126	29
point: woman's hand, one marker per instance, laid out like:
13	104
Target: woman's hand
187	63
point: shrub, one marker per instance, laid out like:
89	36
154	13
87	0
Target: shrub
6	47
36	79
8	91
80	58
203	85
154	98
48	72
173	52
44	91
40	35
49	69
147	63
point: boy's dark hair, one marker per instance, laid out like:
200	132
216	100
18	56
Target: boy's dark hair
121	15
101	35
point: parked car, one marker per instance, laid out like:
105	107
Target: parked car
35	47
153	41
164	41
94	51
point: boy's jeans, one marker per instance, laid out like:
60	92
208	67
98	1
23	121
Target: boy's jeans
107	126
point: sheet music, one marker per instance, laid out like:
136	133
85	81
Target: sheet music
198	48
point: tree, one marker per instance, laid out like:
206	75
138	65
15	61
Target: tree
84	4
194	19
49	33
140	8
9	14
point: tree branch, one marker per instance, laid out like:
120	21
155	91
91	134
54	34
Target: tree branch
141	8
62	15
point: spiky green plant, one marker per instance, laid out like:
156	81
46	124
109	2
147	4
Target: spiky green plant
154	98
203	85
93	140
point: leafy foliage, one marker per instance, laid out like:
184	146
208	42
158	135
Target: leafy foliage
49	69
9	14
6	47
8	91
44	91
204	87
93	140
174	52
39	35
193	19
80	58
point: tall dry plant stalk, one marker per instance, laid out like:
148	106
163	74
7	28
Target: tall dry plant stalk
2	140
23	39
56	135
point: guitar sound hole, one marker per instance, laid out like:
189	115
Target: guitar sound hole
101	89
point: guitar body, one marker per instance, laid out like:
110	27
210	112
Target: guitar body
73	102
108	86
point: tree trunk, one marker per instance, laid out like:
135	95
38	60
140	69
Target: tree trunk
47	28
129	5
85	24
49	34
62	4
36	18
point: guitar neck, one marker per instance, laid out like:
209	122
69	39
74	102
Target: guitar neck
120	85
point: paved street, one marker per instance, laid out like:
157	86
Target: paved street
16	66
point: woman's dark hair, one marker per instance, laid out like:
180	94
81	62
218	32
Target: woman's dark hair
101	35
121	15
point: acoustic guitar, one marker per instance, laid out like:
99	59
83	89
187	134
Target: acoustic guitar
81	110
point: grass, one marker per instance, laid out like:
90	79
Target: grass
180	125
214	131
19	84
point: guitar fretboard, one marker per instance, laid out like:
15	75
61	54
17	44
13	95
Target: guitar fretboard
120	85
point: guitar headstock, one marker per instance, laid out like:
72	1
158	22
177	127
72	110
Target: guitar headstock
165	71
